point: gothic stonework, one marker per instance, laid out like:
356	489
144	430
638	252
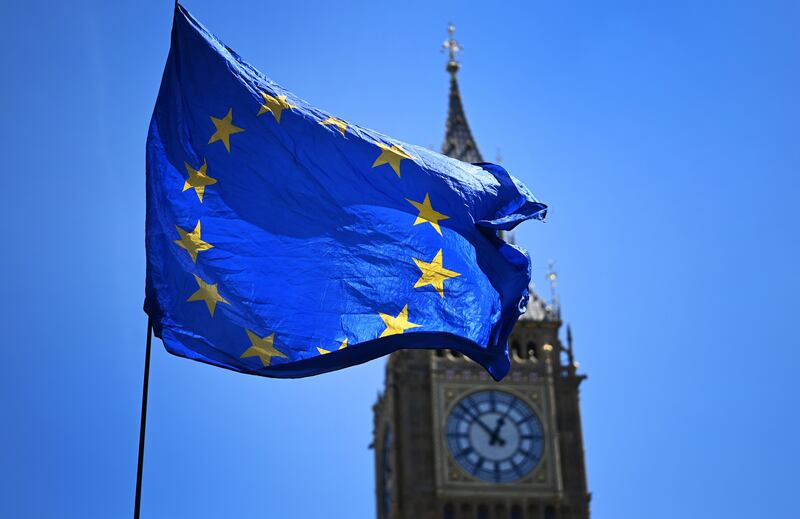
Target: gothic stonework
429	459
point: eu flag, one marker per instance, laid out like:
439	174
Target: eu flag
286	241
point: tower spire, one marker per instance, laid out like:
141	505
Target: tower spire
458	141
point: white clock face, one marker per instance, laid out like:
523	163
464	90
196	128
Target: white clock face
495	436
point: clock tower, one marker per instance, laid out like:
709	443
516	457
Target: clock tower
450	443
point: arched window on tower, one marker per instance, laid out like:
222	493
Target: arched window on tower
483	512
516	512
549	513
516	351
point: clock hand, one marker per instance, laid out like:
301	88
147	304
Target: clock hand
477	419
495	435
495	438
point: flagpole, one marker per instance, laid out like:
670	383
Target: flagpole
145	385
143	420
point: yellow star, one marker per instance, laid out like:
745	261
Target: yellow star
225	128
198	179
275	105
192	242
323	351
262	347
399	324
427	214
333	121
391	155
208	293
434	273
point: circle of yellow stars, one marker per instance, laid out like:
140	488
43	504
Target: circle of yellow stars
432	273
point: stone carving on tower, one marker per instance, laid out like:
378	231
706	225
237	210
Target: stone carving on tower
451	443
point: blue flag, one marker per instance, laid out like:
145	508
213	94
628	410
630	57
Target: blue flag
286	241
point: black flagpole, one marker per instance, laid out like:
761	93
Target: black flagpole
143	421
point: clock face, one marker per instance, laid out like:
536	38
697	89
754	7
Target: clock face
495	436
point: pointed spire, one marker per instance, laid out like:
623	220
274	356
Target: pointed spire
458	141
573	365
569	337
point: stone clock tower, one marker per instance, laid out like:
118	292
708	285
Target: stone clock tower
450	443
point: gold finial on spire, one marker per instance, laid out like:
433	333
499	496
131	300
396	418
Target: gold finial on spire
552	276
452	46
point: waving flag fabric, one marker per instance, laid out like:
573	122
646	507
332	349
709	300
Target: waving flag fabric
285	241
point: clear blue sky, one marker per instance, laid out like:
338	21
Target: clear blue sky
664	137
